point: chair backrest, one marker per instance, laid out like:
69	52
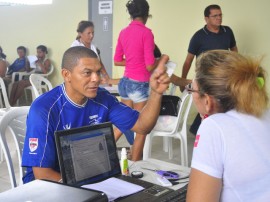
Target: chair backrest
39	83
4	94
172	124
184	110
14	123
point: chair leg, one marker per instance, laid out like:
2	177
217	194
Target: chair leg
170	145
1	154
165	144
147	147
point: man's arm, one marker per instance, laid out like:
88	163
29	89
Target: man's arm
234	49
178	81
203	187
46	173
159	83
187	65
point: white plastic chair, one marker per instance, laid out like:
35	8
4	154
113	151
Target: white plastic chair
4	95
14	123
44	86
17	76
174	127
39	85
5	106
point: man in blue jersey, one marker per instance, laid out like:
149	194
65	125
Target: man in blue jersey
80	102
212	36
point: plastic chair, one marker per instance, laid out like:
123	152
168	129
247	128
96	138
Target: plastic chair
14	121
43	86
5	106
174	127
39	85
4	95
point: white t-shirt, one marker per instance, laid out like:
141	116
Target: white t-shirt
236	147
92	47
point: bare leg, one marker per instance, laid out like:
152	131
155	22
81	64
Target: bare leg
17	90
137	148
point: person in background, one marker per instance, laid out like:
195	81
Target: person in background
84	38
212	36
3	64
2	54
231	158
78	102
135	51
43	65
20	64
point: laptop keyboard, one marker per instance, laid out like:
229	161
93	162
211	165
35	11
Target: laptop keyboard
178	195
142	183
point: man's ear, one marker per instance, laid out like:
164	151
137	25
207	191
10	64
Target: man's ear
66	75
206	19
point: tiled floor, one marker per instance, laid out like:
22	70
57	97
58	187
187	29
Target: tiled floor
156	153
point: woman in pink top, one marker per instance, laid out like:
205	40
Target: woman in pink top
135	51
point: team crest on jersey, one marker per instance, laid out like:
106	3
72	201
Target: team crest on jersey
33	144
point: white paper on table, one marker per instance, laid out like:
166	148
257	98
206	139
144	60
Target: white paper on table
115	188
32	60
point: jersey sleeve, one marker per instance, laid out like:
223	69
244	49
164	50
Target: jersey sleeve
39	147
122	116
208	152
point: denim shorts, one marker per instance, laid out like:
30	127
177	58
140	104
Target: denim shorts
133	90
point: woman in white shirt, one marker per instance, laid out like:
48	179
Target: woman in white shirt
85	37
231	160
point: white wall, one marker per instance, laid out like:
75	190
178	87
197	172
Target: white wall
51	25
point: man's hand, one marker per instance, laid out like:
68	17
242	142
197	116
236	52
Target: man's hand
160	80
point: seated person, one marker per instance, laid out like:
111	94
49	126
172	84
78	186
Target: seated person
43	65
80	102
231	152
20	64
3	63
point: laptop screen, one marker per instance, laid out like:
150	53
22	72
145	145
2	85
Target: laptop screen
87	154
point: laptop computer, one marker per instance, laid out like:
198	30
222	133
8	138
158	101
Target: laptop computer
89	154
41	190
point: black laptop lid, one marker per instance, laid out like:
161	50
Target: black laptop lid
87	154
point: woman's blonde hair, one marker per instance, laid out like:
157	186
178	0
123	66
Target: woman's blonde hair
235	81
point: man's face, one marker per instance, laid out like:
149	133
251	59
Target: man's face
214	18
83	80
21	53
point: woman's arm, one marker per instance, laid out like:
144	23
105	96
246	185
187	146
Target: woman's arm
121	63
45	67
203	187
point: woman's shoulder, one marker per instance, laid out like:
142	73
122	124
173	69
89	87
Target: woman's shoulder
76	43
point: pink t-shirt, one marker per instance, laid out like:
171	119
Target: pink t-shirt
136	45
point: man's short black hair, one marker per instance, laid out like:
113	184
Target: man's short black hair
74	54
208	8
22	48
